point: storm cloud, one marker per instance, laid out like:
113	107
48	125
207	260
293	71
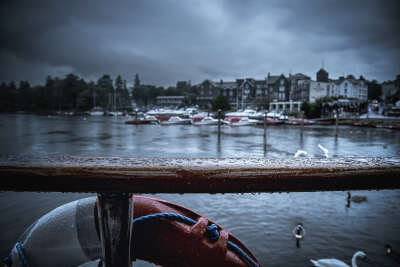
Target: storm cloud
169	40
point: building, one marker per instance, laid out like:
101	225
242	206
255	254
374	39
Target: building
349	87
298	87
286	106
390	89
278	88
208	91
318	90
322	76
246	92
170	100
280	92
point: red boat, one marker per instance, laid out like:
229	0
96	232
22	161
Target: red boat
138	122
270	122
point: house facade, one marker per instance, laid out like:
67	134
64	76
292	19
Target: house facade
244	92
349	87
280	92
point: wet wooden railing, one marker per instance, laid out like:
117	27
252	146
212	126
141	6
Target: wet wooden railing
155	175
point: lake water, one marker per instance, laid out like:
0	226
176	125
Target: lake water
263	222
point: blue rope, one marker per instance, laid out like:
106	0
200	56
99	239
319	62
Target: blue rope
21	255
211	231
241	253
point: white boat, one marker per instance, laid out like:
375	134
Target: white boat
277	115
96	111
174	120
165	112
239	121
200	120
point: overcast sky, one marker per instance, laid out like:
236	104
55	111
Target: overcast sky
169	40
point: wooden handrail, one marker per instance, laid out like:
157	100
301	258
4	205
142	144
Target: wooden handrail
185	175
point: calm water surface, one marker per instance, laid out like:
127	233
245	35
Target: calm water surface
263	222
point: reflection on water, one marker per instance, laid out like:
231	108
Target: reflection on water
264	222
108	136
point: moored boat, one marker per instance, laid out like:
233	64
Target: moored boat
200	120
270	121
174	120
299	121
239	121
96	111
143	120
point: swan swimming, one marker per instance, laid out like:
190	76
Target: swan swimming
324	150
338	263
300	153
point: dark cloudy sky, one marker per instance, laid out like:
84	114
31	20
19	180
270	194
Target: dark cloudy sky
169	40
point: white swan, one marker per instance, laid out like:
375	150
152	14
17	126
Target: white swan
324	150
338	263
299	153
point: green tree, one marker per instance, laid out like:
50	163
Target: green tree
312	110
105	91
221	102
374	90
24	95
137	81
119	84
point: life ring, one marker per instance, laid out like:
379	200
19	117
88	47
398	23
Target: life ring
68	236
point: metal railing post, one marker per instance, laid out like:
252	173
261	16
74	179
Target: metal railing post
115	212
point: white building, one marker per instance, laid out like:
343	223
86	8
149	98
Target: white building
310	91
349	87
285	106
318	90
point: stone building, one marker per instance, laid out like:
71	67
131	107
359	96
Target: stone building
246	92
322	76
298	90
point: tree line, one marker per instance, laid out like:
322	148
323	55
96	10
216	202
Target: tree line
73	93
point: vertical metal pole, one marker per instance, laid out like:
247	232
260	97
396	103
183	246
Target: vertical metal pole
265	126
219	123
336	122
265	132
337	118
115	212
